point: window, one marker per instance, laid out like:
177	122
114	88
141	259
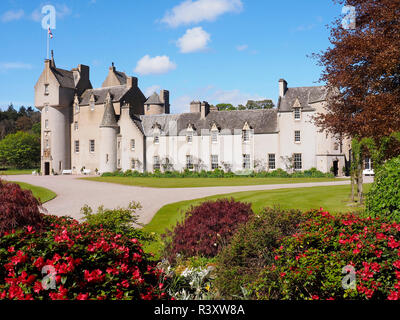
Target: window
189	137
189	162
246	135
271	161
76	146
91	105
119	163
367	163
214	161
76	107
297	113
133	144
76	125
46	124
133	164
246	161
156	163
214	136
297	161
107	158
46	89
297	137
156	139
336	146
46	108
91	145
46	144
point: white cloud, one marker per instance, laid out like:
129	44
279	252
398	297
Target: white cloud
14	65
200	10
150	90
193	40
12	15
242	47
156	65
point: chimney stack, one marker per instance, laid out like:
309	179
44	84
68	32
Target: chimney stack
195	106
164	96
282	87
132	82
205	109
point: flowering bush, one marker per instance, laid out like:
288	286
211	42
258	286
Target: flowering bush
18	208
315	262
207	228
70	260
252	247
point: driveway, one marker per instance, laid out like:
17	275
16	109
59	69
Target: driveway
73	194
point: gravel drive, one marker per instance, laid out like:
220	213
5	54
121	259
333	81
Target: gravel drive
73	194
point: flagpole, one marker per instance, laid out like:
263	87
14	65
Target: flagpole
48	45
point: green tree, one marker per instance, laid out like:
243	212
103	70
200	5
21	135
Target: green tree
20	150
225	107
261	104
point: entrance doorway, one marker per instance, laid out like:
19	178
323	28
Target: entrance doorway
336	168
47	168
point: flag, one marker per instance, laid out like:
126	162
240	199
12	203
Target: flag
50	34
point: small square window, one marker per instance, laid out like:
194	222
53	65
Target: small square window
214	136
246	135
46	124
76	125
189	137
92	106
156	163
46	89
133	144
156	139
189	162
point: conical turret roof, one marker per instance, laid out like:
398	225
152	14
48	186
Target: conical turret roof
109	114
154	99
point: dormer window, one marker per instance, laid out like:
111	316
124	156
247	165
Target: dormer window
92	102
91	105
297	113
76	107
46	89
246	133
189	137
156	139
214	134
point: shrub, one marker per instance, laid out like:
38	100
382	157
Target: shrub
312	264
82	263
207	228
384	196
18	208
20	150
119	220
251	248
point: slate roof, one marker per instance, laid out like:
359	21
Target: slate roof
261	121
121	76
100	94
109	119
154	99
64	77
306	96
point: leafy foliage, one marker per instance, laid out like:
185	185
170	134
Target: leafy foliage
119	220
361	68
20	150
18	208
207	228
83	263
219	173
312	264
251	248
383	200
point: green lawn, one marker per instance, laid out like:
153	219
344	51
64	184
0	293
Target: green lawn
12	172
40	193
202	182
335	199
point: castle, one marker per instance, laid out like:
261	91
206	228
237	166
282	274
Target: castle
117	127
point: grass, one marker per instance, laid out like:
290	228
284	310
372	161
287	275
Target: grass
203	182
13	172
335	199
40	193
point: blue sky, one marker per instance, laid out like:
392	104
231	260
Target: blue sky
213	50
